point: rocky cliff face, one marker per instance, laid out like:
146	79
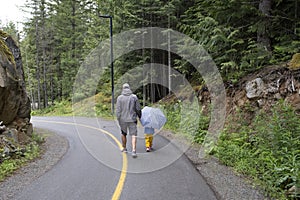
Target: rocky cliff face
262	89
14	103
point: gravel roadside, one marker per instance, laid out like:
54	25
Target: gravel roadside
226	184
53	148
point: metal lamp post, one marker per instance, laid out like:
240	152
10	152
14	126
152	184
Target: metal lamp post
112	62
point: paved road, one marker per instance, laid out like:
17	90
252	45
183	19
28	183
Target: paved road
94	167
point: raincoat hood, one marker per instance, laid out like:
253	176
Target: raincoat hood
126	92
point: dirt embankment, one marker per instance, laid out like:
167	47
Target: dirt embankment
261	90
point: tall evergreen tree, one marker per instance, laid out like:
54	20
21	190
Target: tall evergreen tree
240	35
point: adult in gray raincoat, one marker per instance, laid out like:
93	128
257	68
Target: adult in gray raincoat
127	110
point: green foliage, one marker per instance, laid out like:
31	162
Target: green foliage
172	112
184	123
202	129
8	166
98	105
20	156
11	29
228	30
62	108
103	110
103	105
267	151
61	34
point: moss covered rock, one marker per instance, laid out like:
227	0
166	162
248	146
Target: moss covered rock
294	64
14	102
4	50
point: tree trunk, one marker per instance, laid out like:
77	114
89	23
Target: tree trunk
44	55
37	60
296	16
59	84
263	37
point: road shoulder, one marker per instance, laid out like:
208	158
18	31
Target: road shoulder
53	149
222	179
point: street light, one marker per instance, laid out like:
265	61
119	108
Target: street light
112	62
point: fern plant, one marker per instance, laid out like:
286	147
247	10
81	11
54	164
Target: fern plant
267	150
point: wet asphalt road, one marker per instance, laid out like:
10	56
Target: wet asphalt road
91	168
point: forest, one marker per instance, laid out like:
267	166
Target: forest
241	36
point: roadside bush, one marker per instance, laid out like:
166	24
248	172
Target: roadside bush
22	154
268	151
184	123
62	108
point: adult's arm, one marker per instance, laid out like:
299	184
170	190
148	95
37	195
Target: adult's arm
138	108
118	109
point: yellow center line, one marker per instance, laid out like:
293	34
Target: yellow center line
120	185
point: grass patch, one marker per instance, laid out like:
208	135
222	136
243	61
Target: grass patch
21	156
95	106
62	108
267	150
188	122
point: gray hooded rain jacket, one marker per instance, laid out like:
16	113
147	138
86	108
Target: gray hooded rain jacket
128	107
